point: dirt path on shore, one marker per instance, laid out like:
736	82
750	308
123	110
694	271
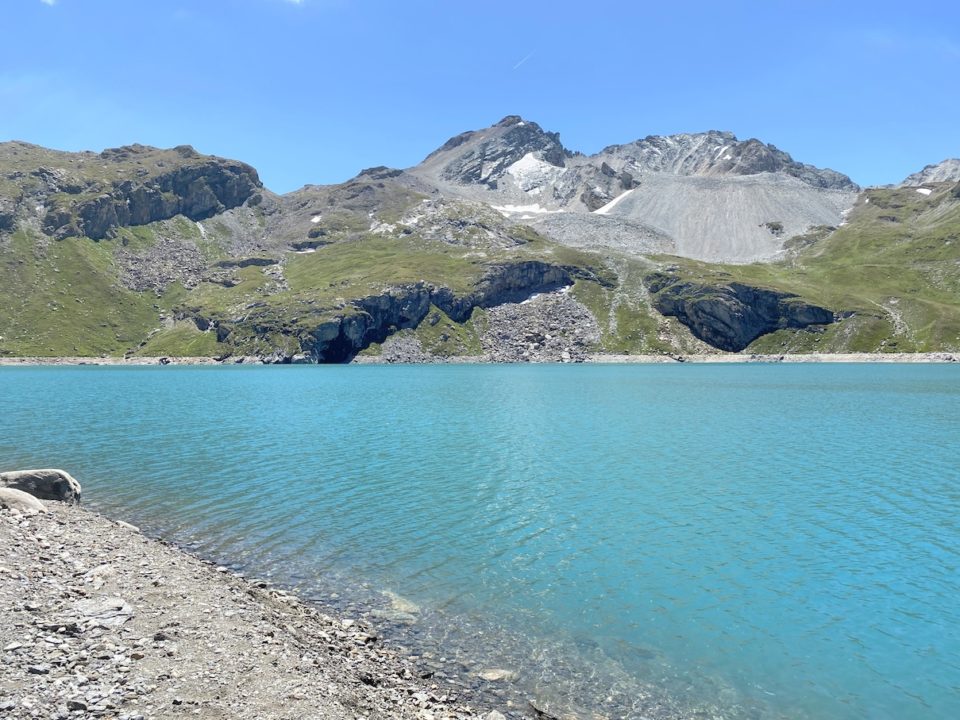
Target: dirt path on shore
97	620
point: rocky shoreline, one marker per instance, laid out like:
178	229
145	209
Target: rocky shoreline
591	358
98	620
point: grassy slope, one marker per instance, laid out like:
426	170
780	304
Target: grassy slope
64	299
895	265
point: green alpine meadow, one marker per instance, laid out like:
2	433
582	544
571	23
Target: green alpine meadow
137	252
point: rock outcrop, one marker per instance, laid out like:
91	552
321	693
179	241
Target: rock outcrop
8	214
717	153
483	156
20	501
47	484
91	194
506	283
340	335
733	315
946	171
197	190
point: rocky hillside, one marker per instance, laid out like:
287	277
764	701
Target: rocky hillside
945	171
502	245
706	196
91	194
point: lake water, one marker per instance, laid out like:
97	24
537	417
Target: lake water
742	541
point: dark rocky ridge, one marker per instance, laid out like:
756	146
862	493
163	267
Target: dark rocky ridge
196	191
719	153
91	194
374	318
498	148
731	316
379	316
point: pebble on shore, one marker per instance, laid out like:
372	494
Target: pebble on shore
97	620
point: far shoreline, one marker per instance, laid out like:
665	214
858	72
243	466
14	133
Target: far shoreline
592	359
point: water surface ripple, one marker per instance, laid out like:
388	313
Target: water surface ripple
762	541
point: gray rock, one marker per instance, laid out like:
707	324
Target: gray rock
24	502
946	171
198	189
109	612
49	484
497	675
731	316
707	194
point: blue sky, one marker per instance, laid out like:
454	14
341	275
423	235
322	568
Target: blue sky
315	90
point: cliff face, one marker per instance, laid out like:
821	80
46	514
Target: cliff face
197	191
732	316
372	319
502	284
90	194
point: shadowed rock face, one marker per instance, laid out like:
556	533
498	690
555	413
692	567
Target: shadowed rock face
90	194
372	319
197	191
732	316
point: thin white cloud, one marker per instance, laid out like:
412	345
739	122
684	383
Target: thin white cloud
49	2
525	58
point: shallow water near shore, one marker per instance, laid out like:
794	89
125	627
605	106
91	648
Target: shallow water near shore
756	541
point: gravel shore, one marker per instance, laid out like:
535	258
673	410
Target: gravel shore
97	620
597	358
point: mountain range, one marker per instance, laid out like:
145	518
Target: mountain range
502	244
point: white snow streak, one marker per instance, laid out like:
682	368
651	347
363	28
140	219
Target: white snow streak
612	204
924	191
511	209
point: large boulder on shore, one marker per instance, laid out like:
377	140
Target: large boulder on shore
46	484
20	501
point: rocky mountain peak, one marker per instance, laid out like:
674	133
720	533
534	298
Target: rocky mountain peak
946	171
482	157
510	120
714	153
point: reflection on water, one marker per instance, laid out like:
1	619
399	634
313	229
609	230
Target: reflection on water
744	541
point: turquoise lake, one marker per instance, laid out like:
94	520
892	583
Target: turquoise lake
752	541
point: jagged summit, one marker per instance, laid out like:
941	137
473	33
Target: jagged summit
706	195
715	153
946	171
481	157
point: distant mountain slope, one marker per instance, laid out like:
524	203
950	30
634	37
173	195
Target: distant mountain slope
92	193
708	195
945	171
502	244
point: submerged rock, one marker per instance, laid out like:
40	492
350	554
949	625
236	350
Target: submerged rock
497	675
